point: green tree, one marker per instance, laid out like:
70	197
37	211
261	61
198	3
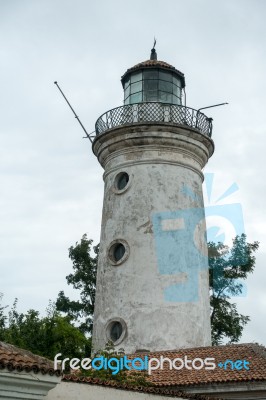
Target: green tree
228	268
2	319
83	279
45	336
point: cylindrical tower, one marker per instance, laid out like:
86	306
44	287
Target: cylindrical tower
152	282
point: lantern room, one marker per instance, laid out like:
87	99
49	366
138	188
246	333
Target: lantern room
153	81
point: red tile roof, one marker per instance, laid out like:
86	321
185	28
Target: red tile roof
141	389
253	353
152	63
14	358
166	381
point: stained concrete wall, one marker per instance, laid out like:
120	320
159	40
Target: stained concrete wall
164	165
80	391
16	385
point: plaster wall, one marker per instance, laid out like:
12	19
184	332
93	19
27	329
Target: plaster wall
71	390
16	385
164	165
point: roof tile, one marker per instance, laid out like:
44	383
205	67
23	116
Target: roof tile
14	358
251	352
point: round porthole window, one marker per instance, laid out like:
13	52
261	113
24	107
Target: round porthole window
116	330
118	251
121	182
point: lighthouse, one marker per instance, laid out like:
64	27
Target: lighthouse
152	290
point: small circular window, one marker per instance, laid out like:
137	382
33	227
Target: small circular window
116	330
118	251
121	182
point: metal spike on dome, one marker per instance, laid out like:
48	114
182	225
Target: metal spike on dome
153	51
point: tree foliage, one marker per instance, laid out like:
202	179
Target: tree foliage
45	336
2	318
83	279
228	269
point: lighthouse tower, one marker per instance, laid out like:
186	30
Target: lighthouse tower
152	289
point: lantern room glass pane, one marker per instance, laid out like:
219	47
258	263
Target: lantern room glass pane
176	91
136	98
151	95
150	74
166	86
136	77
153	85
166	76
126	91
136	87
127	81
150	85
176	99
165	97
176	81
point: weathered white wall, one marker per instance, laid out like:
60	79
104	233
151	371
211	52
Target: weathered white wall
161	161
15	385
83	391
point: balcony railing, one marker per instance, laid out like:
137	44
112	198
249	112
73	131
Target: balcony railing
154	112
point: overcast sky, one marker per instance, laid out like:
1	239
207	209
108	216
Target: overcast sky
50	181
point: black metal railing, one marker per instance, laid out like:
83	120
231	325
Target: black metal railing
154	112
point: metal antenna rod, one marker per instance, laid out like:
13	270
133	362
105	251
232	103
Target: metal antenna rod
203	108
88	136
215	105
